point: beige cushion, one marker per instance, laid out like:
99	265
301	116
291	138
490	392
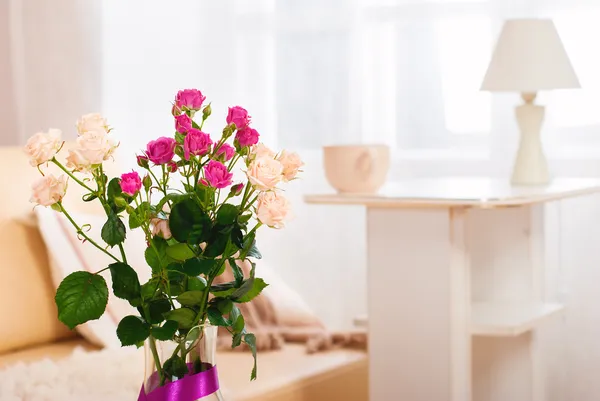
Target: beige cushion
26	291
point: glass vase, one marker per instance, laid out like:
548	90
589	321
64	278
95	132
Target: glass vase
166	378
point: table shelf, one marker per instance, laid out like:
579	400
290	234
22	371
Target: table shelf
496	319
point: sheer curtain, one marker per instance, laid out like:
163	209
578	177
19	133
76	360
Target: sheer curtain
316	72
401	72
50	65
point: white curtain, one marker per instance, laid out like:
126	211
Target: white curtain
50	65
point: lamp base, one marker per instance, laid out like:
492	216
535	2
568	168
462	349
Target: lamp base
531	166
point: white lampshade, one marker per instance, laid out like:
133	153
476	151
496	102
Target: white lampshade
529	57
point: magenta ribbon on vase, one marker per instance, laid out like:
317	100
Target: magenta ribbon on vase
189	388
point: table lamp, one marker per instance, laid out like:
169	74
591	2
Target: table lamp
529	57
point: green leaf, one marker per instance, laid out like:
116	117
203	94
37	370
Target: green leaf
224	305
238	274
196	266
196	284
184	316
148	290
132	331
248	242
152	259
174	198
114	189
180	251
166	332
157	309
179	137
217	245
156	254
237	339
188	218
237	237
249	290
113	231
250	340
227	214
81	297
139	215
254	252
193	334
239	325
125	282
216	318
175	366
190	298
244	218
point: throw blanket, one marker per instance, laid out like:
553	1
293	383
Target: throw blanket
271	333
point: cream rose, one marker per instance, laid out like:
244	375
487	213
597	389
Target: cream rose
272	209
92	149
48	190
43	146
92	122
265	173
260	150
161	228
291	164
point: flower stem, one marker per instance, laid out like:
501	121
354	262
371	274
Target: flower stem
80	232
152	345
77	180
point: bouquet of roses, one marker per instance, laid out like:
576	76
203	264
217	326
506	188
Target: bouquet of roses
197	223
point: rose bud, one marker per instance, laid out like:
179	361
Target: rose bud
236	189
171	167
142	161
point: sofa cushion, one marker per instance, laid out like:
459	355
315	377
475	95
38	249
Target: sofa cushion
26	291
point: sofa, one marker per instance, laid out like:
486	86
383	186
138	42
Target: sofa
30	330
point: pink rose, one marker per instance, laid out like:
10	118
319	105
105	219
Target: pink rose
217	174
48	190
265	173
43	146
183	123
161	228
273	208
247	137
196	143
161	151
291	164
239	116
130	183
190	98
225	152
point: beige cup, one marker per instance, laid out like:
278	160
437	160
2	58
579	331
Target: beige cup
356	168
